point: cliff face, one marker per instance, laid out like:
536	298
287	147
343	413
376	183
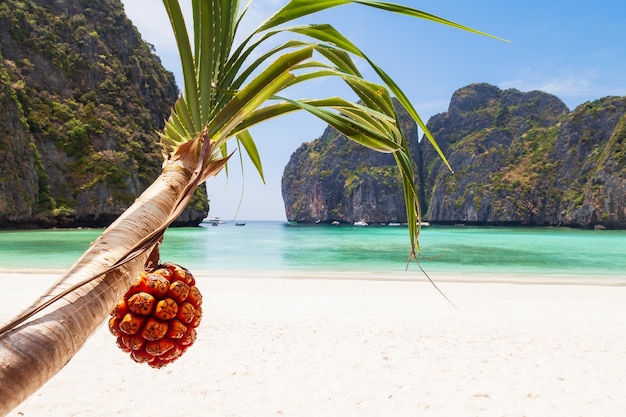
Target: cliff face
81	96
519	158
522	158
18	187
495	141
335	179
591	169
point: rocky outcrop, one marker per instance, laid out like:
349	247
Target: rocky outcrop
489	137
81	97
335	179
518	159
18	187
522	158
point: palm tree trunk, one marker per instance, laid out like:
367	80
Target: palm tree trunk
32	352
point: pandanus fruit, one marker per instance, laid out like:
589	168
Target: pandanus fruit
156	319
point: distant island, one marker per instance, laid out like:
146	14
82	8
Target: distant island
520	158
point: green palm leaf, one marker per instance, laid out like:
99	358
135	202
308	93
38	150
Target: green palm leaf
247	142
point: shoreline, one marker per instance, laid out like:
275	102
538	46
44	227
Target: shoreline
307	346
389	276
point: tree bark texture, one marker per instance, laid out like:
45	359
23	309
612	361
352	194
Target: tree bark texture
34	351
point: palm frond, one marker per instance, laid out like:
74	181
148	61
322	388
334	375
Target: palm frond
187	60
245	139
295	9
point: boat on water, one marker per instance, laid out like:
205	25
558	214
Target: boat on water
360	223
240	223
214	221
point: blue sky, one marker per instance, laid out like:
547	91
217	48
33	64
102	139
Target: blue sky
572	49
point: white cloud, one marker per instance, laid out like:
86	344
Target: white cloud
153	24
572	85
572	89
151	20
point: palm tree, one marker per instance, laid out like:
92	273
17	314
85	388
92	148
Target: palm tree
228	88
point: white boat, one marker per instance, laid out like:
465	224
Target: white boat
360	223
215	221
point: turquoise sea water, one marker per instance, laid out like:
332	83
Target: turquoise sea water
278	246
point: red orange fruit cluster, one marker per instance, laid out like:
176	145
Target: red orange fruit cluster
157	318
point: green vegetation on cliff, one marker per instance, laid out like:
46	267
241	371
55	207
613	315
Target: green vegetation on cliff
519	159
89	95
334	179
523	158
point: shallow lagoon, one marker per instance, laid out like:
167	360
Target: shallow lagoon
281	247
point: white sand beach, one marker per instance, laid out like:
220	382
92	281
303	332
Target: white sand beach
359	347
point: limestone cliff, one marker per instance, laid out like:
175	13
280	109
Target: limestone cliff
519	159
81	96
494	140
335	179
522	158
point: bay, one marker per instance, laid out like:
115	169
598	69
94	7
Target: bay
280	247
